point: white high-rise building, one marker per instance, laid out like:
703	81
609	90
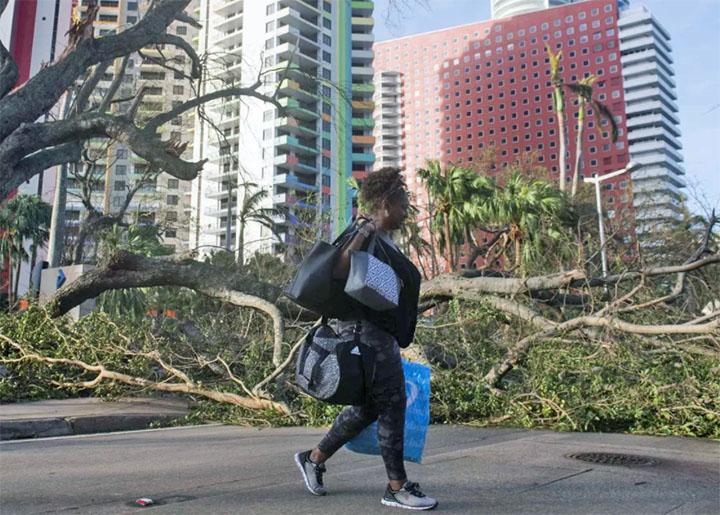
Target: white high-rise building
316	56
652	119
505	8
388	120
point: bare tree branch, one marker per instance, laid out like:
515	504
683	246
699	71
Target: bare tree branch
35	163
126	270
517	352
114	85
252	91
182	44
42	91
83	96
8	68
185	385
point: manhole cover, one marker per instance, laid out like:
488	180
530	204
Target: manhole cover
608	458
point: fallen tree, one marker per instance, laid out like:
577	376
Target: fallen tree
126	270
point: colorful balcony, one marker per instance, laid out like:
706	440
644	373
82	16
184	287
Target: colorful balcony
291	181
292	88
363	157
296	109
292	143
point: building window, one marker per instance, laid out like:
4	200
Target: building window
173	184
172	200
327	40
119	185
181	30
326	56
120	169
327	23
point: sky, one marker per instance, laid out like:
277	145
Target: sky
694	26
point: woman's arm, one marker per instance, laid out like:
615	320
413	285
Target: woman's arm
342	267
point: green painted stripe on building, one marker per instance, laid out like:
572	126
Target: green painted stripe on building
367	88
363	122
342	23
363	21
362	4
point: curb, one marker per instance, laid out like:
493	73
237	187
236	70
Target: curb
47	427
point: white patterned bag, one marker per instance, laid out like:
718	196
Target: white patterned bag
371	281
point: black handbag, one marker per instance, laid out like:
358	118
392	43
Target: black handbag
335	370
313	286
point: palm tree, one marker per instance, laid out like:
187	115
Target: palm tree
24	217
559	106
451	189
583	91
534	215
250	210
411	238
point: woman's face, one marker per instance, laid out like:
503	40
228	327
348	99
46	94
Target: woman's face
397	209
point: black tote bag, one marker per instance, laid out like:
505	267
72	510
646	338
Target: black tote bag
313	286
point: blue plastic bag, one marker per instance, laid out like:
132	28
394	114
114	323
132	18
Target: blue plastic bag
417	416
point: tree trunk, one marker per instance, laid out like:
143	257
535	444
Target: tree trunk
448	244
10	281
578	147
16	288
241	241
560	110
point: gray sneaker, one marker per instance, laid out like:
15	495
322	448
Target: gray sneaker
408	497
312	473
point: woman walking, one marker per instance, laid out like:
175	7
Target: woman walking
384	202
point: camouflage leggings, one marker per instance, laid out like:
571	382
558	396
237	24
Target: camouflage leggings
386	405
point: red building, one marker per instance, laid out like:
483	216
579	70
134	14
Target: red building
486	85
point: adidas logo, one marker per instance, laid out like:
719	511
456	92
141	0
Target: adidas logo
356	351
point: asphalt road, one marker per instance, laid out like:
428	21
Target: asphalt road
221	469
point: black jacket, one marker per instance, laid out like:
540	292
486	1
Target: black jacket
399	322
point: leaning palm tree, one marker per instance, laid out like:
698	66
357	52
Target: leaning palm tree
559	105
23	218
583	91
411	239
250	210
451	189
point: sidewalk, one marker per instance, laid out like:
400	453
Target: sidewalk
82	416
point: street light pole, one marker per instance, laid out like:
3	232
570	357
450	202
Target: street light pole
631	166
601	227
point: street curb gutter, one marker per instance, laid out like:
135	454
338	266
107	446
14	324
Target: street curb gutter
46	427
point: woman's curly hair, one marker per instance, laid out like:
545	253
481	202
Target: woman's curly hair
384	185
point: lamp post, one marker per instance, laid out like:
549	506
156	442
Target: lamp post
630	167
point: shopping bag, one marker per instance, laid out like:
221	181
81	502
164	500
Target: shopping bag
417	416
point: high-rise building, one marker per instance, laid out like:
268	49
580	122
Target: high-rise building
652	120
162	200
505	8
316	56
486	86
651	106
388	120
